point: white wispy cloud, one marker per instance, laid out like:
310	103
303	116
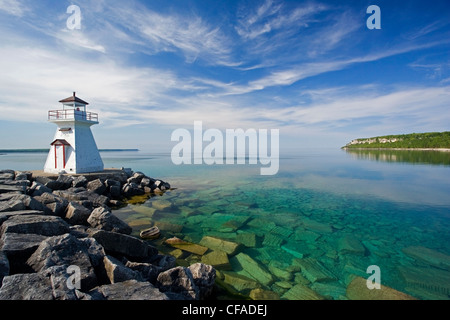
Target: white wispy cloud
13	7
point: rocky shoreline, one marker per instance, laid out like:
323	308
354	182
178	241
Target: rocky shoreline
59	240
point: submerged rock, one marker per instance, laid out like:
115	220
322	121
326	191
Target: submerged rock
301	292
430	256
253	269
186	246
219	244
357	290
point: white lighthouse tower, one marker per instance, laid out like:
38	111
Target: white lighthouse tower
73	149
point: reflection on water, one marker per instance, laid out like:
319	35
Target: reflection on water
405	156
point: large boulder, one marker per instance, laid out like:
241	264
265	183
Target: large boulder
117	271
128	290
35	224
53	204
65	250
118	244
37	189
77	214
96	186
4	266
102	218
132	189
18	248
179	282
204	277
26	286
79	181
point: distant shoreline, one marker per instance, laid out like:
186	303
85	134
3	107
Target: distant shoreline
400	149
3	151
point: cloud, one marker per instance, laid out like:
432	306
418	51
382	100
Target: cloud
13	7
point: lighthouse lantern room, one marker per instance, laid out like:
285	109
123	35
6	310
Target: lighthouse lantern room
73	149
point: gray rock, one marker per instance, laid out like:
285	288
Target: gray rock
12	205
77	214
62	183
102	218
17	202
95	250
36	224
128	290
54	204
115	192
7	174
132	189
79	181
62	283
204	277
5	215
11	188
178	280
18	248
118	244
37	189
71	195
28	286
96	199
117	271
150	271
4	266
96	186
147	271
65	250
19	175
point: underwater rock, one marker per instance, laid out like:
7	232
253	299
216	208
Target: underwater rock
427	281
313	270
248	239
240	282
330	290
357	290
168	226
350	244
253	268
301	292
261	294
272	240
429	256
304	235
219	244
314	225
186	246
218	259
161	204
292	248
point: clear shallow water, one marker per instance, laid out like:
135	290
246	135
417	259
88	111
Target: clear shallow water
338	211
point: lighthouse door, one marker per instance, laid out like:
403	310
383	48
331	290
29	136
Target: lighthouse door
60	156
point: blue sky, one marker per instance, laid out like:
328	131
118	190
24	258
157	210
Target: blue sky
311	69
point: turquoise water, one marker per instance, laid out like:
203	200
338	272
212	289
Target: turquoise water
325	217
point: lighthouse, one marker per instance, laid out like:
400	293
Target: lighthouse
73	149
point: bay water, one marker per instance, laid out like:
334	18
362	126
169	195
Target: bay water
337	212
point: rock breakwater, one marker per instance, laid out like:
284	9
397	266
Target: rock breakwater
59	240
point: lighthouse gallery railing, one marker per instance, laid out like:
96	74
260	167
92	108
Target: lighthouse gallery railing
70	114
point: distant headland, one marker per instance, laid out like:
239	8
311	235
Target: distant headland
439	141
